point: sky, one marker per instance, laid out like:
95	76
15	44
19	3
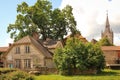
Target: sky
8	15
90	16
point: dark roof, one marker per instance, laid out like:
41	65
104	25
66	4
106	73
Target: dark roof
38	45
49	43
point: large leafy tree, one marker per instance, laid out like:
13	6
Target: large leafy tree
78	56
70	21
58	24
42	19
23	24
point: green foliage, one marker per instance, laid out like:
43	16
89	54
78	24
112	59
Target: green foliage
6	70
13	74
104	42
41	18
76	55
70	21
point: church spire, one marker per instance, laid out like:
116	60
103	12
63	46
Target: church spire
107	28
108	32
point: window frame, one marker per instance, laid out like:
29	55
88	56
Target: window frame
27	49
17	63
17	50
27	63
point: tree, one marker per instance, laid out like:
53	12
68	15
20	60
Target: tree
42	19
104	42
78	56
71	23
23	25
58	24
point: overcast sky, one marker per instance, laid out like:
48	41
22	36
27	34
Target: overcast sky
91	16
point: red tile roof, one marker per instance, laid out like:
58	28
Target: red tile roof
110	48
3	49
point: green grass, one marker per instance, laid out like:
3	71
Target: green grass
105	75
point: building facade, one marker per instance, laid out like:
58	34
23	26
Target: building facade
27	53
112	54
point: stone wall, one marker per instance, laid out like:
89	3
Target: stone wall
42	70
45	70
110	57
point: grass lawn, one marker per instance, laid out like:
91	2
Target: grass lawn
105	75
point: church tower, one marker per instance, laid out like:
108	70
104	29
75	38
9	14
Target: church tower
108	32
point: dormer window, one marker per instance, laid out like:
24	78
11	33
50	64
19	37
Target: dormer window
27	49
17	50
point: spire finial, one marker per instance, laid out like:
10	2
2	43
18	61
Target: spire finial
107	12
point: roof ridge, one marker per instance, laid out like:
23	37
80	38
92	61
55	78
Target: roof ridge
25	39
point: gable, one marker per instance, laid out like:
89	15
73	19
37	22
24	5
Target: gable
28	40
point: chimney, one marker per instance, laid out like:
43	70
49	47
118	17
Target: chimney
35	36
10	44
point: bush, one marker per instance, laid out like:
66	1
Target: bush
16	75
80	56
6	70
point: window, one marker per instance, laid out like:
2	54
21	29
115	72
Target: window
27	49
27	63
17	50
17	63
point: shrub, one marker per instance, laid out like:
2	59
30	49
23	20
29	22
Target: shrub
6	70
16	75
78	56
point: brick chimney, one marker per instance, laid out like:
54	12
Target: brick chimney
10	44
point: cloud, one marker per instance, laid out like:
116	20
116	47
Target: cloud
7	41
91	16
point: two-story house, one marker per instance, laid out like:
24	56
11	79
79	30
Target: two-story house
27	53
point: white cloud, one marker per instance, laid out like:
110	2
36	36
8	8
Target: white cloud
7	41
91	15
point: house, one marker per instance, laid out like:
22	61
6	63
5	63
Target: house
3	50
27	53
51	45
112	55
